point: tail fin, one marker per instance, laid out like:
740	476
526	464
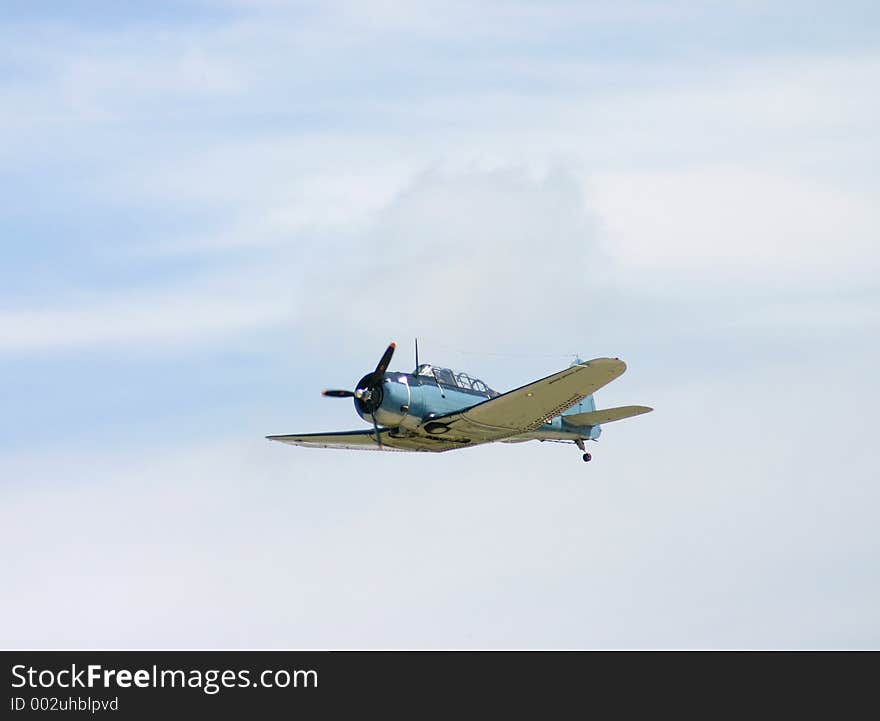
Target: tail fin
588	404
585	415
586	408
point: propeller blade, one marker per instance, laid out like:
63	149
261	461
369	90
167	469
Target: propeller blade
337	394
376	430
383	363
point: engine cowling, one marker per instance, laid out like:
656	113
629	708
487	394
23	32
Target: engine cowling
388	401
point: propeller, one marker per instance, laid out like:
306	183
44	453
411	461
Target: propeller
376	430
338	394
368	392
383	363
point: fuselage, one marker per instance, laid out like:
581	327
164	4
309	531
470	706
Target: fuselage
409	401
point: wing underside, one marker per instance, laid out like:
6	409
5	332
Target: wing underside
365	440
353	440
525	409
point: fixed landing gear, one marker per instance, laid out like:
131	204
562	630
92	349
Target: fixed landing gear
580	444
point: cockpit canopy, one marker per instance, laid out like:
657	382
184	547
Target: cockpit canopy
456	379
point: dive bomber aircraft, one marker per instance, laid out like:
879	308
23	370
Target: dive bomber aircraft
437	409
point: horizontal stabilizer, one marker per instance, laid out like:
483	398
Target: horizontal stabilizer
594	418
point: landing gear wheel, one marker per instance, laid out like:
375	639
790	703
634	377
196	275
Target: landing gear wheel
587	457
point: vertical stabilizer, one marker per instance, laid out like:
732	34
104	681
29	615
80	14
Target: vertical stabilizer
588	404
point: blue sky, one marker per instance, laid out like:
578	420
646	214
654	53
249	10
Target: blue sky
211	211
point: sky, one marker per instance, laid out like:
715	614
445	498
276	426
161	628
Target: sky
213	210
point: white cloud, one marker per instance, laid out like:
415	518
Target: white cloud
808	316
498	258
472	256
731	221
478	257
278	196
701	525
170	318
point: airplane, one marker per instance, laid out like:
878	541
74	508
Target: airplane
436	409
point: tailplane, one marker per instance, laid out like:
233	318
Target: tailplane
595	418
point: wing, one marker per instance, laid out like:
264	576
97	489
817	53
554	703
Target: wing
607	415
366	441
525	409
352	440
